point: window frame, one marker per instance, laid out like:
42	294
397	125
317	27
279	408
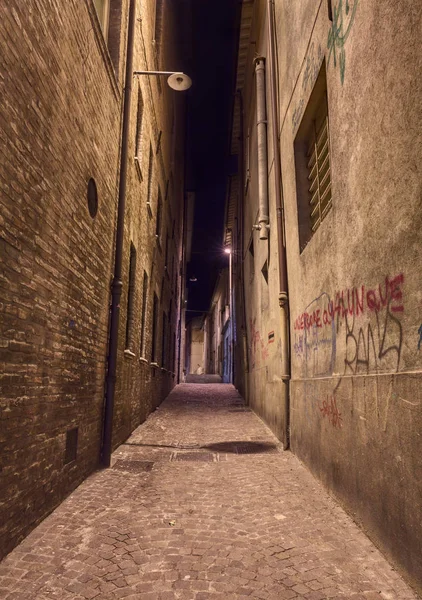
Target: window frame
130	306
154	331
104	18
315	119
142	341
139	133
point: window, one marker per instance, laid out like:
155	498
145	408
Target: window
163	342
251	254
154	329
158	30
109	13
264	271
265	292
143	313
166	264
103	12
149	190
131	297
169	348
247	161
138	140
158	24
159	216
158	146
312	161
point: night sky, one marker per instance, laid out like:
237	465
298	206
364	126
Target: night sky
215	25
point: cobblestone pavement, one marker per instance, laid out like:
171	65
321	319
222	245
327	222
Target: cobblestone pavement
201	502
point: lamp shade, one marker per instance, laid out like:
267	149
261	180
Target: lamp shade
179	82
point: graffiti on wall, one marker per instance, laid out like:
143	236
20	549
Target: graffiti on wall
357	331
314	343
353	302
258	349
330	411
420	337
368	319
342	21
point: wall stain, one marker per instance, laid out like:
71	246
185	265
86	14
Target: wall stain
313	63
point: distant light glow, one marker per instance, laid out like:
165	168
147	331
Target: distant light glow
227	250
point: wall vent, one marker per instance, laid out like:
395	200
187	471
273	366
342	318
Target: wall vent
71	445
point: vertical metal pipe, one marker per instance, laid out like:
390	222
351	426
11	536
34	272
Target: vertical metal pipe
261	124
282	260
231	313
242	238
116	286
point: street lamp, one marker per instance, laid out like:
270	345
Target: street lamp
177	81
228	251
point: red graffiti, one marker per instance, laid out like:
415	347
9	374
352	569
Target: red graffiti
329	409
354	301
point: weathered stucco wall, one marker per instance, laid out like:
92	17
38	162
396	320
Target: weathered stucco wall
264	388
355	290
355	295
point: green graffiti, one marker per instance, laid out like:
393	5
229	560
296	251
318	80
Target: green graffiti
343	17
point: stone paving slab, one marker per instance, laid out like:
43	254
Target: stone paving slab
201	502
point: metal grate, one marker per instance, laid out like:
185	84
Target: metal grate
133	466
319	175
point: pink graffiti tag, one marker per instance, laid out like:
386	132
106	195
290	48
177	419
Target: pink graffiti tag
355	301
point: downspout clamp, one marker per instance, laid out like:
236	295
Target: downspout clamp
261	125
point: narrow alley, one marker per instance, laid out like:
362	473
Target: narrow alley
210	299
200	502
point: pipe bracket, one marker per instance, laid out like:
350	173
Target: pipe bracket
283	299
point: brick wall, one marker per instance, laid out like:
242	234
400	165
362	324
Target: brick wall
60	126
141	386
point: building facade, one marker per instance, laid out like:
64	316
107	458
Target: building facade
217	328
61	127
332	359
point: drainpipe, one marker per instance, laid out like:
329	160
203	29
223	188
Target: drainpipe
182	307
282	264
261	124
116	286
241	243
